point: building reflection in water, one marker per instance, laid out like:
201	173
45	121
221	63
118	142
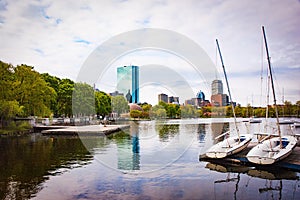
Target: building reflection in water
201	133
129	150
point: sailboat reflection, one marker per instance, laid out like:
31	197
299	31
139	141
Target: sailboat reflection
230	168
258	172
269	174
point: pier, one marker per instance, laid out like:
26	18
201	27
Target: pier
292	162
83	130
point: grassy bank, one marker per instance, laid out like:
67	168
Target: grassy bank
16	129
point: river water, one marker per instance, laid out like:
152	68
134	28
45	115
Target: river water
151	160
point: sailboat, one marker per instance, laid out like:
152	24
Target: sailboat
232	144
276	148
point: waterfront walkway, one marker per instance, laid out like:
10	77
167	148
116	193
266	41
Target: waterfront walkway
82	130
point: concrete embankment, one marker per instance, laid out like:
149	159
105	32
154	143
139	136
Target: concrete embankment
84	130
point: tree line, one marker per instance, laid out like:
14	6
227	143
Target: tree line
167	110
25	92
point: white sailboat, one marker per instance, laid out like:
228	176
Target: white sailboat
232	144
276	148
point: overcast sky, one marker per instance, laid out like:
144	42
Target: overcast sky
58	36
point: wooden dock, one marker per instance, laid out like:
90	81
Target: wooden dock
292	162
84	130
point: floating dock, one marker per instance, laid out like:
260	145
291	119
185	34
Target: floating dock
292	162
83	130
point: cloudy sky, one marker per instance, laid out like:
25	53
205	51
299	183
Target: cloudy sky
59	36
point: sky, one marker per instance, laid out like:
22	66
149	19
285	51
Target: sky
58	37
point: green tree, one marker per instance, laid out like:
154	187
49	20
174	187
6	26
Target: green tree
119	104
53	82
64	97
238	111
287	108
9	110
188	111
146	107
135	114
32	92
83	100
102	103
6	81
158	112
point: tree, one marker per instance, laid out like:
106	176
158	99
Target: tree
158	112
53	82
32	92
135	114
188	111
119	104
8	110
6	81
64	97
83	100
102	103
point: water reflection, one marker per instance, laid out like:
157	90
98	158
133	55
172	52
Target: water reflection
201	132
167	131
270	174
27	161
169	152
217	129
129	149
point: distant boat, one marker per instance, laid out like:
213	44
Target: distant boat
255	120
296	124
276	148
232	144
287	121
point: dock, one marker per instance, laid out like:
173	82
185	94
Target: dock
84	130
292	162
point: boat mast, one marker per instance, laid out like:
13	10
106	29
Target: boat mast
272	83
235	123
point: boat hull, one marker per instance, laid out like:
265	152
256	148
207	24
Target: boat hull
228	147
270	152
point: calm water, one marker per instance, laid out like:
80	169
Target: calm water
151	160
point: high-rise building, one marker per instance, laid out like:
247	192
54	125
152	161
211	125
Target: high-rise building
174	99
217	96
216	87
116	93
163	97
128	82
219	100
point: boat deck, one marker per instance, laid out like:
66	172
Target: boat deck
292	162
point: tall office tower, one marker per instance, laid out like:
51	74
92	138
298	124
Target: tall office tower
163	97
216	87
128	82
173	99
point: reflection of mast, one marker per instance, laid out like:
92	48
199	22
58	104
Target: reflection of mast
228	179
270	188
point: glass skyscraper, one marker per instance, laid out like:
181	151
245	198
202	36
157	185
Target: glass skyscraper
128	82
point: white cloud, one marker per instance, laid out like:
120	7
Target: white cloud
47	34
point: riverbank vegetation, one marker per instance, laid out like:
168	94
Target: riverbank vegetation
26	92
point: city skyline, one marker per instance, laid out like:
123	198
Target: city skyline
61	37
